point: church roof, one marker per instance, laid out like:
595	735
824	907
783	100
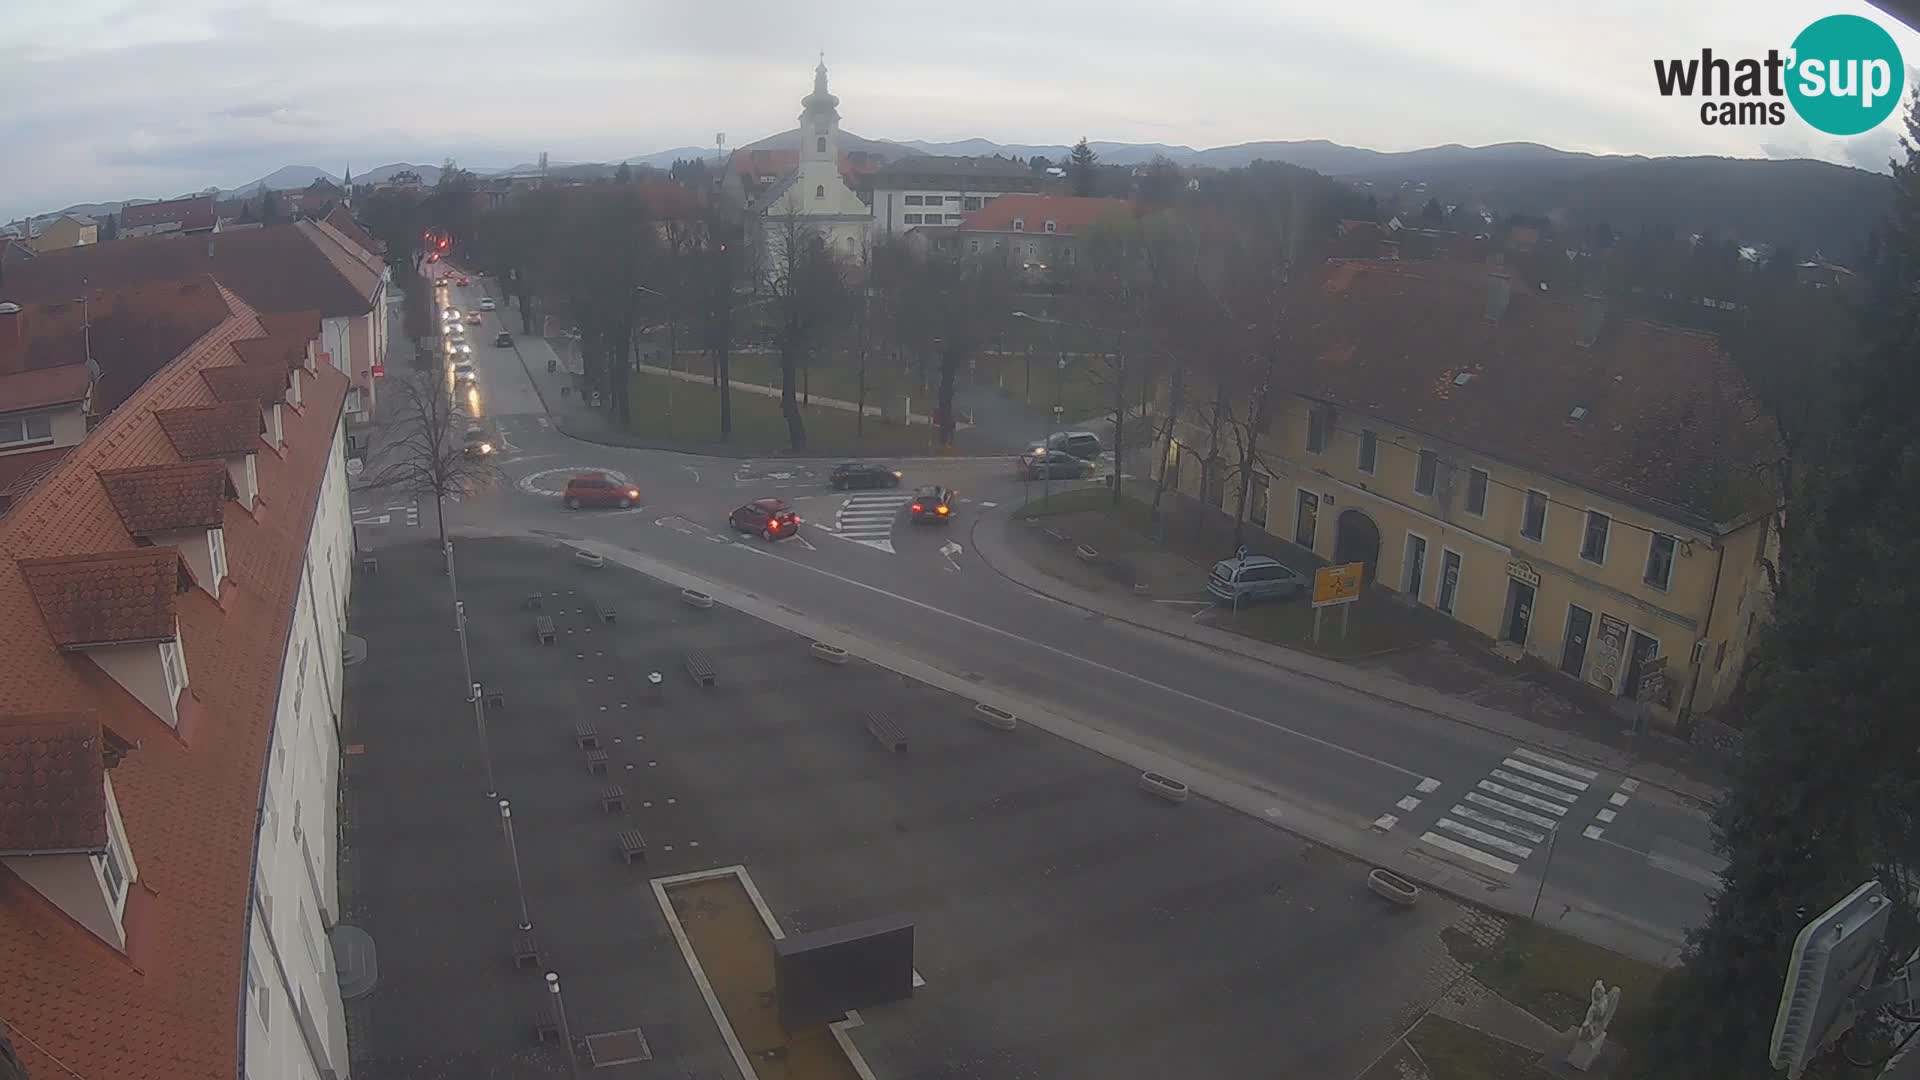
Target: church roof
775	191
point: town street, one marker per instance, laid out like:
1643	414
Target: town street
1466	808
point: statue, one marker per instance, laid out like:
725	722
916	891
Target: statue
1591	1036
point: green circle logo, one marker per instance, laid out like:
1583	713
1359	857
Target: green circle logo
1847	75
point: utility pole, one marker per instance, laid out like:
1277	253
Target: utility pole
513	857
566	1030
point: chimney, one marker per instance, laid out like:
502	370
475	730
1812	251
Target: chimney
13	339
1499	291
1593	314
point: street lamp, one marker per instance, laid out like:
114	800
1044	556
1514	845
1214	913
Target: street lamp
513	857
1553	834
670	351
566	1032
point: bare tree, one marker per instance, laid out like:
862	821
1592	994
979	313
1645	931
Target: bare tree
807	285
424	450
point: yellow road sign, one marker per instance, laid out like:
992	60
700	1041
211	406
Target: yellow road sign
1338	584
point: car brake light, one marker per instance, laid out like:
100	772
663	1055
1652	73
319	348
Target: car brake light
942	510
917	508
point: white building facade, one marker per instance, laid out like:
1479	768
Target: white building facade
916	192
814	199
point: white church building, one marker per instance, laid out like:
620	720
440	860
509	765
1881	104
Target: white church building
813	196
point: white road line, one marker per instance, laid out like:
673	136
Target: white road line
1408	804
1521	797
1546	774
1514	812
1629	784
1427	786
1605	817
1679	868
1592	832
1518	851
1492	822
1385	822
1465	852
1617	799
1548	790
1555	763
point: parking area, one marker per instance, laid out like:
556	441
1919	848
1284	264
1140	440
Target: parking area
1067	923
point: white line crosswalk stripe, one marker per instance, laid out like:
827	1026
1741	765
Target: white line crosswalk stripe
1491	822
868	519
1519	851
1549	791
1545	774
1455	847
1516	808
1513	812
1521	797
1556	764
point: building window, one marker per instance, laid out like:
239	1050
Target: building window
1659	572
1719	656
1019	225
1316	430
1593	545
1050	227
257	987
973	246
1449	581
1029	251
820	144
1427	474
175	666
26	429
819	191
912	219
971	202
1306	520
1477	492
114	873
353	399
953	198
955	219
1369	451
913	200
1257	501
1533	523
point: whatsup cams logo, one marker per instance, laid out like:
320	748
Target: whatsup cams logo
1843	75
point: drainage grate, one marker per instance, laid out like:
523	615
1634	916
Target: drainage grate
622	1047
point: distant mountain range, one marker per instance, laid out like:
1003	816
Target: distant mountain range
1808	205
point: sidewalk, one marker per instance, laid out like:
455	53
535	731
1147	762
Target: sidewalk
920	419
991	543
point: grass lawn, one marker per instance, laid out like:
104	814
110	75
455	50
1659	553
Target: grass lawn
758	426
1455	1052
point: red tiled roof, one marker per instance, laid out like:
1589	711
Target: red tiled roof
1069	213
156	498
359	268
107	596
169	1008
282	352
192	212
212	430
276	269
47	386
1668	418
53	790
131	329
341	219
303	326
29	463
264	383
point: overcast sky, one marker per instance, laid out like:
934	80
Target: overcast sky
111	99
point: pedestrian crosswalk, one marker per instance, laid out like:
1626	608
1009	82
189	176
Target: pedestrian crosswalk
868	519
1512	812
397	513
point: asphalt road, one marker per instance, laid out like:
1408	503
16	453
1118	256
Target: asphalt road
1473	811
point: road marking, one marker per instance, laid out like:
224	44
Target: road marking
1555	763
1617	799
1546	774
1521	797
1117	673
1518	851
1679	868
381	519
1427	786
1629	784
1407	803
1605	817
1549	791
1385	822
989	505
1465	852
1592	832
868	519
1514	812
804	542
1492	822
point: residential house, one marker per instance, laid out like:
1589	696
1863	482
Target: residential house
277	269
930	190
193	214
172	603
64	231
1586	490
1033	232
14	251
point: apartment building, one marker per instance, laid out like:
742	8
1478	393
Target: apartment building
1583	490
172	605
1033	233
192	214
935	190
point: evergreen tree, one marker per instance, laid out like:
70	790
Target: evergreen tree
1433	213
1081	167
623	174
1826	792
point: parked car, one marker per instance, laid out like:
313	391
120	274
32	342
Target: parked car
1050	464
1252	579
773	519
1084	445
933	503
478	443
473	318
863	474
486	303
463	373
599	489
502	339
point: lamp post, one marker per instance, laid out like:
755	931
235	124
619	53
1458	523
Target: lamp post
513	858
480	726
670	351
1553	834
566	1031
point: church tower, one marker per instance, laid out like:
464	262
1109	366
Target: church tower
820	122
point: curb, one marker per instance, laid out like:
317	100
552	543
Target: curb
722	450
1001	518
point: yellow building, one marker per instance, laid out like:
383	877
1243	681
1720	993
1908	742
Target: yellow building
65	231
1586	490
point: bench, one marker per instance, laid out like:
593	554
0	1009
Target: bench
496	699
596	761
632	845
535	600
882	727
603	608
700	666
543	628
585	735
526	951
546	1018
613	799
370	564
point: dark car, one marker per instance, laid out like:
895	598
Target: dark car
863	474
599	489
502	339
773	519
933	503
1081	444
478	443
1051	465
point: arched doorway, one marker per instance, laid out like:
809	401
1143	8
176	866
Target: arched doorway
1357	539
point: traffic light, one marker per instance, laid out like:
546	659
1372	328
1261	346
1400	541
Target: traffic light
1833	959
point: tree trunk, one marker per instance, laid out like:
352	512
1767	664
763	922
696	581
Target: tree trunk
1119	417
789	370
949	363
1211	461
1250	447
1163	441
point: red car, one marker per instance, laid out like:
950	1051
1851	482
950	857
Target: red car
599	489
463	279
773	519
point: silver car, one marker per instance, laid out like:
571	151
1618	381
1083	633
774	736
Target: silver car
1253	578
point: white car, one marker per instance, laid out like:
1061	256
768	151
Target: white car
463	373
450	315
486	303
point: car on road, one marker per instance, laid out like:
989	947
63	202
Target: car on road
1081	444
477	443
463	279
1253	578
773	519
451	315
486	303
932	503
863	474
1050	465
463	373
502	339
473	318
599	489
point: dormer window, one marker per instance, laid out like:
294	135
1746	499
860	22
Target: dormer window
1051	228
118	609
181	506
66	839
293	388
1019	225
276	432
174	664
